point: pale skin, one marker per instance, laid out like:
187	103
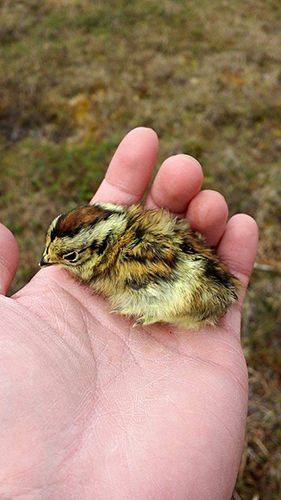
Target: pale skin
92	408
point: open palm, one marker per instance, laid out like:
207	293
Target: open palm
94	409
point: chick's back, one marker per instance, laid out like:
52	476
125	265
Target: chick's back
166	272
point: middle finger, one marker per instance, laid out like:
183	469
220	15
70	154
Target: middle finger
178	180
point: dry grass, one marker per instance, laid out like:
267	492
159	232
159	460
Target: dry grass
77	75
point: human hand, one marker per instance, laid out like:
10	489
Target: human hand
91	408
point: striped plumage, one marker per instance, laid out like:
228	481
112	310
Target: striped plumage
149	264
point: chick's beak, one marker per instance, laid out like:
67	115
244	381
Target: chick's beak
45	263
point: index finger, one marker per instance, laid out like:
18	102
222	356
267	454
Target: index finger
130	169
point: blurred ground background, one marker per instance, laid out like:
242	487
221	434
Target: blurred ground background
76	75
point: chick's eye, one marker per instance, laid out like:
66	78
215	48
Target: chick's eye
71	257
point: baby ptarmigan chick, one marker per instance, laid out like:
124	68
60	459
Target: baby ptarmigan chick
149	264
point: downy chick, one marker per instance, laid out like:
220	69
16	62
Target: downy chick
149	264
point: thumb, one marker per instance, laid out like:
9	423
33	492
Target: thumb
9	258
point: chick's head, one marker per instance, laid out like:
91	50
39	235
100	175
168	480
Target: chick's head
81	237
